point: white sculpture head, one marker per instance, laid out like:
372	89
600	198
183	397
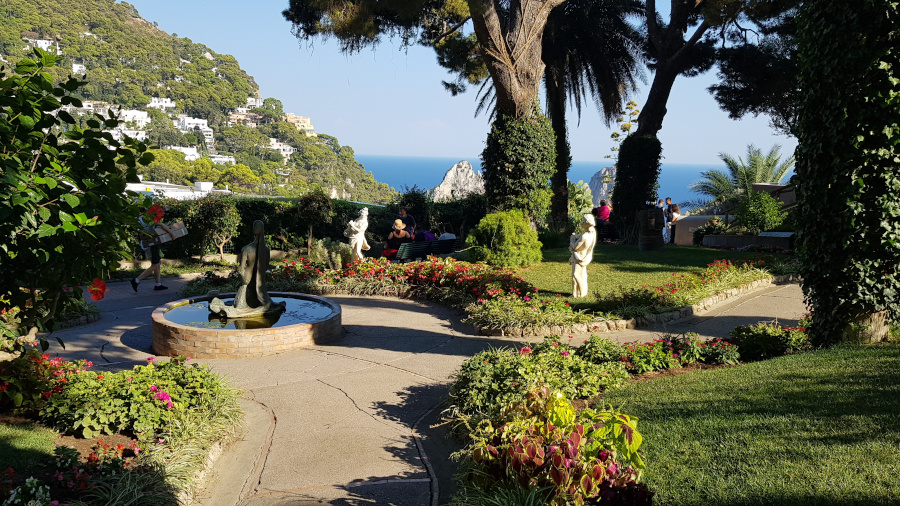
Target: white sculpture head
587	221
364	212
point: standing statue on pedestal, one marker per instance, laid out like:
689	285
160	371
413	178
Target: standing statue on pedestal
356	232
252	298
582	248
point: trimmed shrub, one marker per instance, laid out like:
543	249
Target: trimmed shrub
505	239
766	340
759	212
636	182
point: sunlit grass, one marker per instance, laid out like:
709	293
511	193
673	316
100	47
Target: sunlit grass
25	445
624	265
819	428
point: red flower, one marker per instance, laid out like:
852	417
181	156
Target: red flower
98	289
157	213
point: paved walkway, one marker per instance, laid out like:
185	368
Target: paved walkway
354	422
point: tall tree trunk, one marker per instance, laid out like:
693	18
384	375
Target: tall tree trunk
511	47
556	110
672	54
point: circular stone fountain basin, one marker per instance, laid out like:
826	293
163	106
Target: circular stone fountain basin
185	327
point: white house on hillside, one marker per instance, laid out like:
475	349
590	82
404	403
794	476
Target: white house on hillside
175	191
161	103
190	153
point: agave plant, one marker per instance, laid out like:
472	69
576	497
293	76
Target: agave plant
740	176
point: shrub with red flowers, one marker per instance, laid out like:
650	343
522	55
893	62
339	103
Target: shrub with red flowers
27	381
665	353
97	289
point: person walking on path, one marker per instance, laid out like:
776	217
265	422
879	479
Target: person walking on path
155	255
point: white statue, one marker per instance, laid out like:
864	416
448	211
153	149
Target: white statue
356	232
582	248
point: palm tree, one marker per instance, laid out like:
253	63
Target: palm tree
740	177
589	49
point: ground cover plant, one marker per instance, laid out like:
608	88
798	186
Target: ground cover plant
569	456
169	412
812	428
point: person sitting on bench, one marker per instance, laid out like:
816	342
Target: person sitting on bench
397	237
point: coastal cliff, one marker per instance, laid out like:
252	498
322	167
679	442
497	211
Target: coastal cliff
459	181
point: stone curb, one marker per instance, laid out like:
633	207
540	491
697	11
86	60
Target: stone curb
699	308
81	320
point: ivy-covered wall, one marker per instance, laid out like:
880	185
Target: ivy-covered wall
848	164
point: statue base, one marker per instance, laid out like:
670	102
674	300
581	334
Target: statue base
217	306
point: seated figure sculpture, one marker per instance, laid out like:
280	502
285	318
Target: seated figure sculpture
252	298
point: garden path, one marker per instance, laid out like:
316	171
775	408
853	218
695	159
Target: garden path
353	422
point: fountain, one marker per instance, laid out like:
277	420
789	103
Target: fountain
251	323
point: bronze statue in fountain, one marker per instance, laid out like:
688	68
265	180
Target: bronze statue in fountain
252	299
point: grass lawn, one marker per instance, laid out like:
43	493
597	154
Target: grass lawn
24	445
819	428
625	265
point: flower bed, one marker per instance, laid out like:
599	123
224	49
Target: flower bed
173	412
498	302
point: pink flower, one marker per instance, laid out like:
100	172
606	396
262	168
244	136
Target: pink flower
150	359
565	353
526	298
169	405
152	388
525	350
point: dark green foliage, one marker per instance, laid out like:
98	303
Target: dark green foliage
314	209
517	163
64	215
768	340
504	239
849	162
458	216
760	212
416	202
600	350
636	181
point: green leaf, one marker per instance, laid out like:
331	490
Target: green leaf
69	227
72	200
46	230
45	213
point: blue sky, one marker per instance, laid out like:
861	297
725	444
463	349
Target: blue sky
389	101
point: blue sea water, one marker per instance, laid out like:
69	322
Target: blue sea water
428	172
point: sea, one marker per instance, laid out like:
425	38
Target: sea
427	172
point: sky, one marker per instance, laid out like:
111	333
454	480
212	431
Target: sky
390	101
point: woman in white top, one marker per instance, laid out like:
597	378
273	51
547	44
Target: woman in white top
674	214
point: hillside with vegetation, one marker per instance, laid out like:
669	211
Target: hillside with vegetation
126	61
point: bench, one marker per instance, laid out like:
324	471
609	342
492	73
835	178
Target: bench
414	250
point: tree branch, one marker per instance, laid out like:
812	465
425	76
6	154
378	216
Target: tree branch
692	41
450	31
652	27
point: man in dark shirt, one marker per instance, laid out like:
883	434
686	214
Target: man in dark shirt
408	220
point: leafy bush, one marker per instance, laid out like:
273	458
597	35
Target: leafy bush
637	178
517	163
546	443
139	401
28	381
505	239
331	254
759	212
490	380
62	191
713	226
767	340
600	350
